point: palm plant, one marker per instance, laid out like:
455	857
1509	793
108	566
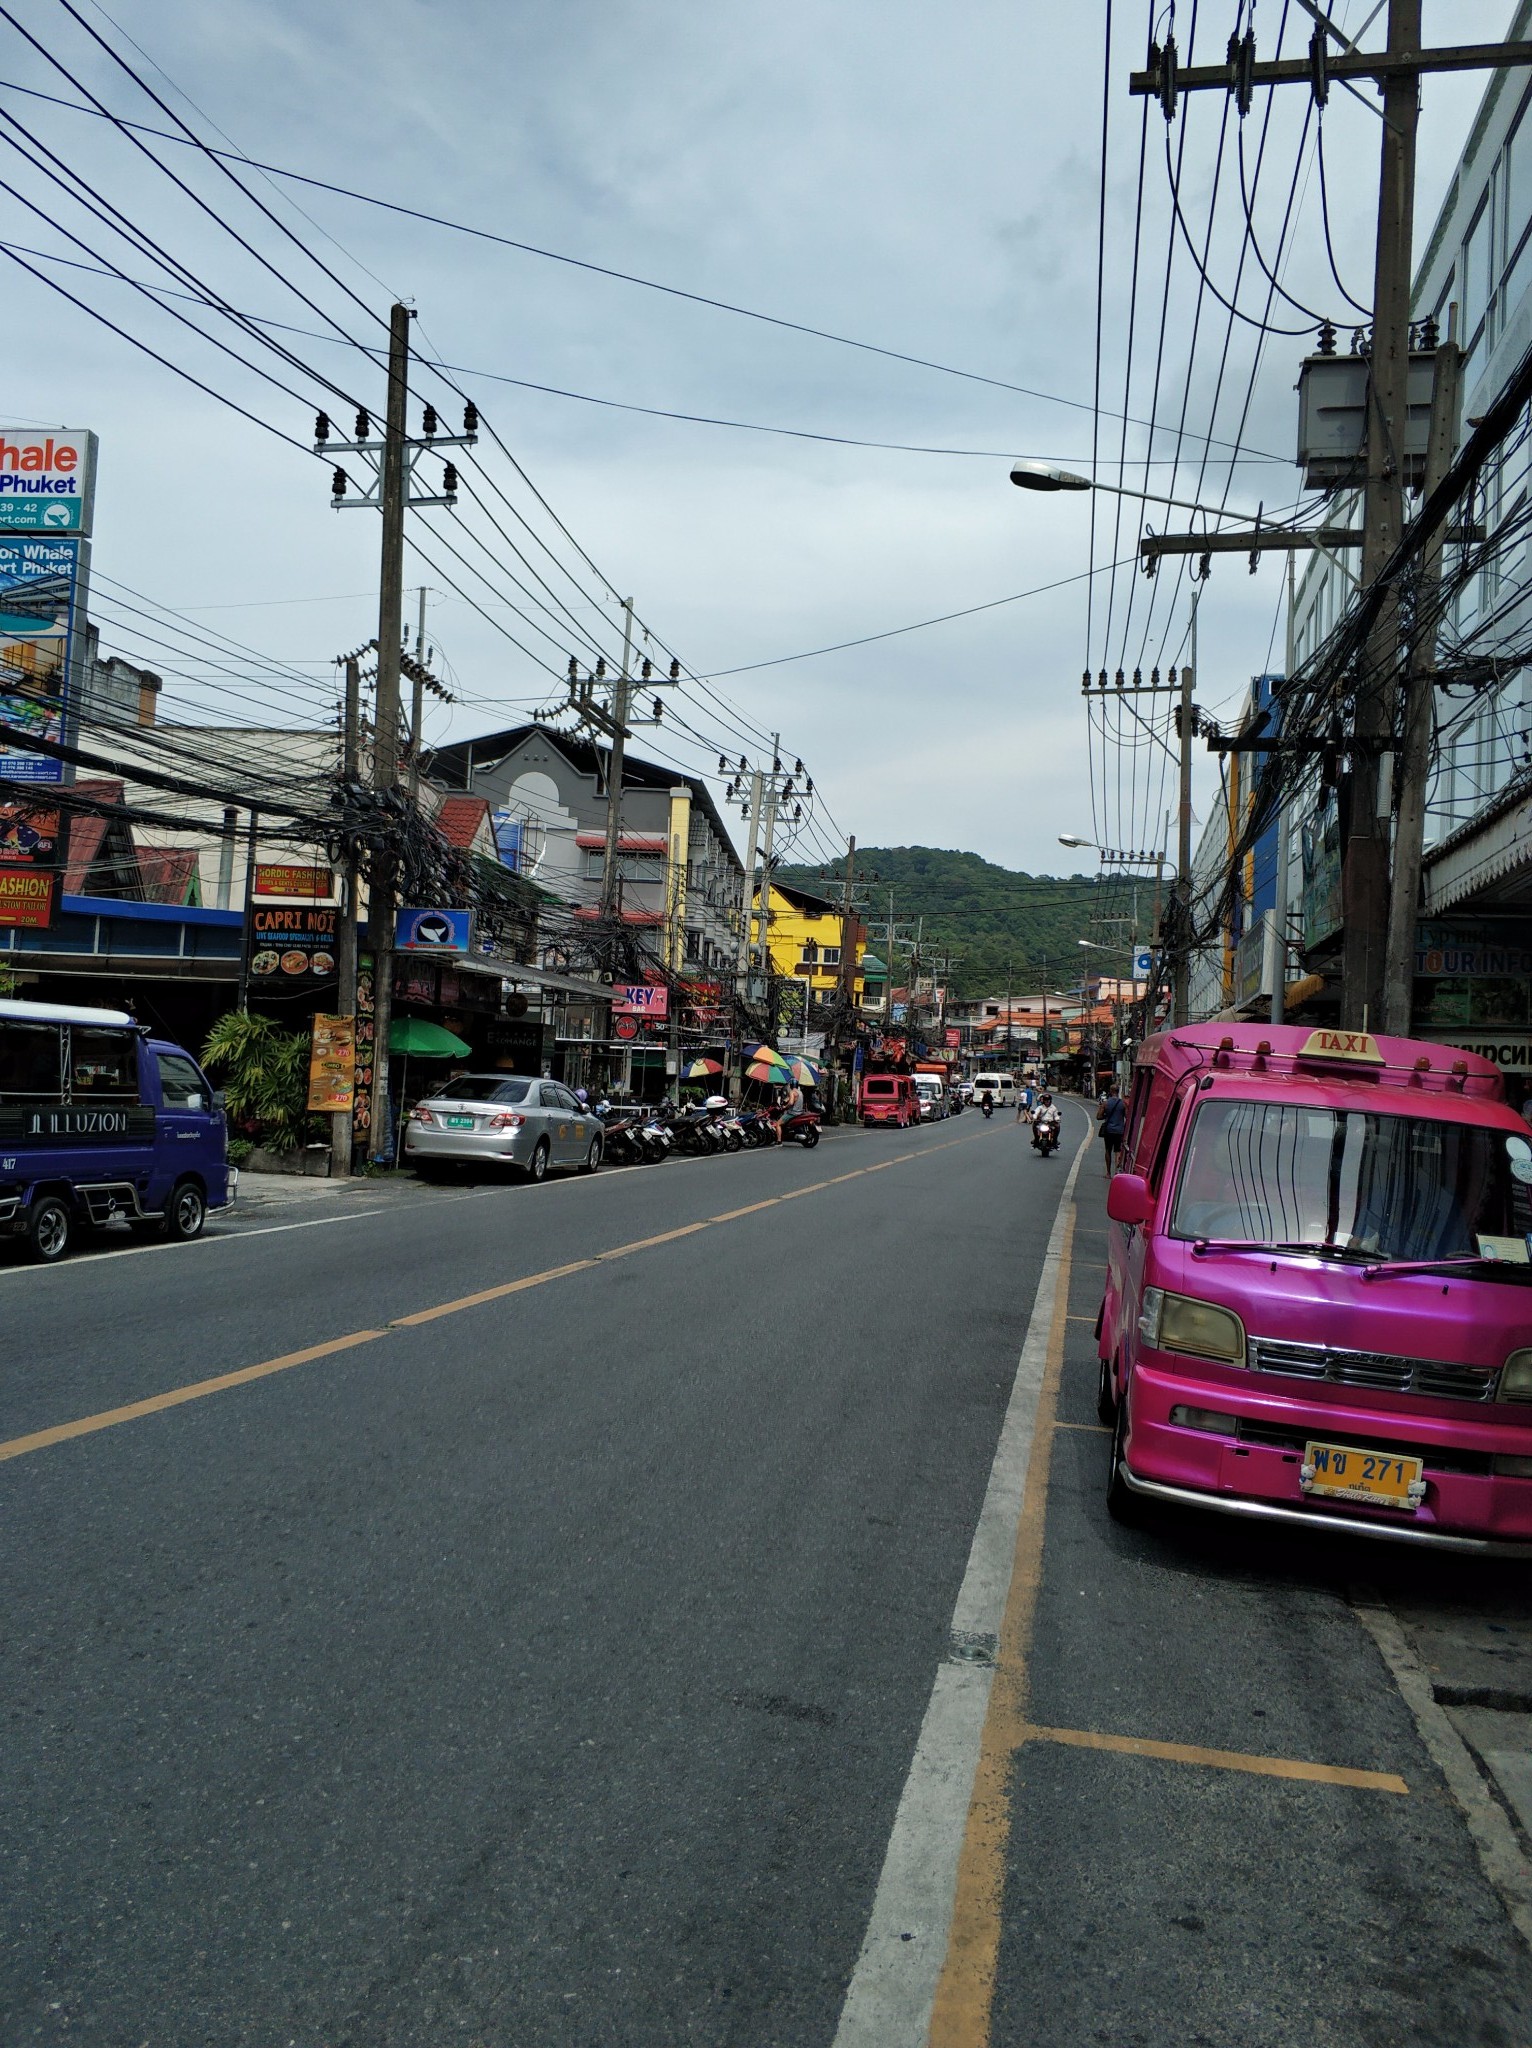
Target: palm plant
265	1073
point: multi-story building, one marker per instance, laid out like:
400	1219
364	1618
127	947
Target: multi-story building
1473	981
812	943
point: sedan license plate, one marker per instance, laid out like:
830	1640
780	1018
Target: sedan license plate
1342	1472
458	1123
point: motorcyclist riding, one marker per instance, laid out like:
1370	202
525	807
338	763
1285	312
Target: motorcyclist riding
1045	1123
987	1103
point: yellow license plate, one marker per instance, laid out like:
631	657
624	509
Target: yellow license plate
1342	1472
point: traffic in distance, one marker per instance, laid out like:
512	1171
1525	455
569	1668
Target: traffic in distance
1318	1299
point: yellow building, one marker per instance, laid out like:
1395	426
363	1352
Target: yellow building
806	935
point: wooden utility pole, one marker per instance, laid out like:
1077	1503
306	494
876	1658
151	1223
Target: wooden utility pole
1419	711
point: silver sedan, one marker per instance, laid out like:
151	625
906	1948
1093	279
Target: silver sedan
502	1120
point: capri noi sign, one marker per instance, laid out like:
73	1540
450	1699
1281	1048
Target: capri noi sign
47	480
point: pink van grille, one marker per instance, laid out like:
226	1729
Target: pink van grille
1380	1370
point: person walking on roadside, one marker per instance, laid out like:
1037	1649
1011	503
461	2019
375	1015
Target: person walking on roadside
1024	1103
1112	1116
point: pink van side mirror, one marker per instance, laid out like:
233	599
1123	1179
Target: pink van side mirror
1128	1199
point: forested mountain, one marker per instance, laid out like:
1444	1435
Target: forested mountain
991	919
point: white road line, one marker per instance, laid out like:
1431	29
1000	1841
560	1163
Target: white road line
892	1990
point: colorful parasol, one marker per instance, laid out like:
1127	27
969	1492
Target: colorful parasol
772	1064
698	1070
806	1073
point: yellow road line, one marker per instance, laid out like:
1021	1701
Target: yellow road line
1223	1759
87	1425
965	1991
1096	1428
199	1390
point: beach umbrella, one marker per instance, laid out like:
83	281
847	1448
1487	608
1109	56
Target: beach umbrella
806	1074
419	1037
697	1070
774	1066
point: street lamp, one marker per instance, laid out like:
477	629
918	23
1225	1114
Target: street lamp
1042	476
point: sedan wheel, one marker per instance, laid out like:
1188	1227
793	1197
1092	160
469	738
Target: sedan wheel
593	1156
539	1166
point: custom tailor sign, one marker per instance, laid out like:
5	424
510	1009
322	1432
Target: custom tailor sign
290	944
26	896
279	878
640	999
47	481
39	589
434	931
332	1064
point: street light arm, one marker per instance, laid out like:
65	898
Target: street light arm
1041	476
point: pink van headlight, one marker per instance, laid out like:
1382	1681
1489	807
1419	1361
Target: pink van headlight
1179	1322
1516	1377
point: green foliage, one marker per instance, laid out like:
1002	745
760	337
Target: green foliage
8	982
265	1074
995	921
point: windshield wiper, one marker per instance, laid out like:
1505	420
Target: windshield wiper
1452	1262
1344	1254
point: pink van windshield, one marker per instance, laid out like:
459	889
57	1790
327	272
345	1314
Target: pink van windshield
1353	1182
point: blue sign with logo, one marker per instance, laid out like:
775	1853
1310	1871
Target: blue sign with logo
1143	964
40	589
433	931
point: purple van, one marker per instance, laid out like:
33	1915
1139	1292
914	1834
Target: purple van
99	1121
1318	1302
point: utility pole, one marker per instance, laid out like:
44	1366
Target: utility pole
1398	69
393	461
610	894
342	1121
846	979
385	739
1186	720
1419	708
747	904
1365	851
767	838
244	951
417	698
1279	912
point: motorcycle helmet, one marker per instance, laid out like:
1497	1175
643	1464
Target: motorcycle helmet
716	1102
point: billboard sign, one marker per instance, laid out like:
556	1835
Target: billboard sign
290	945
29	829
640	999
281	878
26	896
433	931
332	1065
39	590
47	481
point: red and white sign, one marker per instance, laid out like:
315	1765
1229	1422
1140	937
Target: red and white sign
952	1036
640	999
26	897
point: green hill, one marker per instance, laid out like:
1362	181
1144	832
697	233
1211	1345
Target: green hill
993	920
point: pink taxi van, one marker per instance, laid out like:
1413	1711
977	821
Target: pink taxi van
1318	1302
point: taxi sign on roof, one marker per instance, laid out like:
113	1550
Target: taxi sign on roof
1341	1045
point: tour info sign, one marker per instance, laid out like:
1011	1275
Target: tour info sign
47	500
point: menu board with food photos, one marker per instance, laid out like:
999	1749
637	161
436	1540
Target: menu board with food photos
291	945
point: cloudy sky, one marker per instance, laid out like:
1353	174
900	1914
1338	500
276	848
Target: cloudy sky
923	180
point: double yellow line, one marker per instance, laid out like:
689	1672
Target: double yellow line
225	1382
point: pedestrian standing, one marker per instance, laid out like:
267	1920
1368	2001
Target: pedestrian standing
1112	1116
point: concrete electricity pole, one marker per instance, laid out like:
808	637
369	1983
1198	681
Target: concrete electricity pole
1186	720
621	692
1365	853
1419	712
393	461
341	1123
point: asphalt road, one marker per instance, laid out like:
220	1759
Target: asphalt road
536	1649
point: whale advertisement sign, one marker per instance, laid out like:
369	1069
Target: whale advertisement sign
47	480
41	594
